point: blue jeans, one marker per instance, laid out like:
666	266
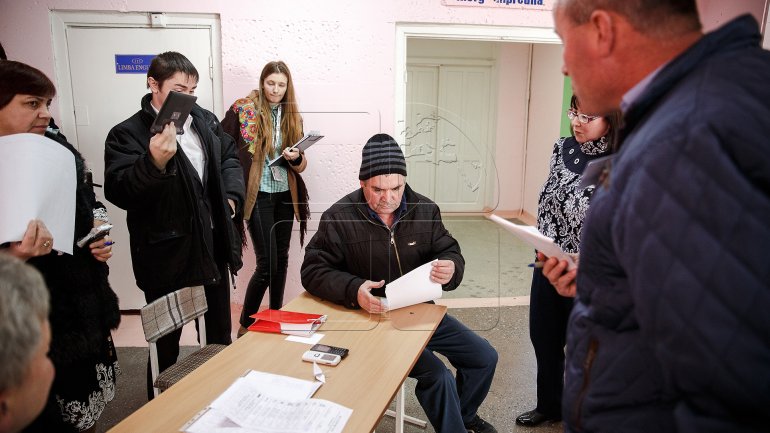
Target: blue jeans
452	401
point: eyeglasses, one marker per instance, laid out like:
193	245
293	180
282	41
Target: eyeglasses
583	118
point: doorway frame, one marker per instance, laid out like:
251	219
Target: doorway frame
458	32
461	32
62	20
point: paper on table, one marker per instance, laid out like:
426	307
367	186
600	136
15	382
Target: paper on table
286	387
532	236
313	339
412	288
37	181
253	409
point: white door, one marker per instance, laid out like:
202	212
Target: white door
420	134
101	98
447	137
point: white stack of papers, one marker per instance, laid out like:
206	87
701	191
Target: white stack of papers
268	403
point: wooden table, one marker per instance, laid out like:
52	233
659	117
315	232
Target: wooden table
383	350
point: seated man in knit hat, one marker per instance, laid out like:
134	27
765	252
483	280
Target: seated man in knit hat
340	269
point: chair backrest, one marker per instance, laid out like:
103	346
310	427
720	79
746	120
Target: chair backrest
171	312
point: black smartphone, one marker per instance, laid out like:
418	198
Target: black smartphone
342	352
175	109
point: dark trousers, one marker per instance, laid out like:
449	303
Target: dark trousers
218	323
548	316
270	228
451	401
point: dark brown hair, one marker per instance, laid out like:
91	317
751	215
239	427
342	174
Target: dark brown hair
18	78
613	119
165	65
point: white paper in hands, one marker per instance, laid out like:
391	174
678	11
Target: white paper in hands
412	288
37	181
542	243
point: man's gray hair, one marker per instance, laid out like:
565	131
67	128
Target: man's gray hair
23	307
661	18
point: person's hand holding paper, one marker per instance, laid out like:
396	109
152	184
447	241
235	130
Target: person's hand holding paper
559	274
369	302
442	271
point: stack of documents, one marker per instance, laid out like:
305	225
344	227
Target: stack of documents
260	402
287	322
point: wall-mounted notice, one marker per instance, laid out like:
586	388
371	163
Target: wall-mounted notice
512	4
133	63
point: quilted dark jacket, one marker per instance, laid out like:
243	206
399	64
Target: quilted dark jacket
350	248
165	219
671	327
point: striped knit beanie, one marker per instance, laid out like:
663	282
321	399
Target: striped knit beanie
381	155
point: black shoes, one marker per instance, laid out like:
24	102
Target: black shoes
534	418
478	425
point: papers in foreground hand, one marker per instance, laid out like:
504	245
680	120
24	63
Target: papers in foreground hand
267	403
287	322
308	140
37	181
412	288
542	243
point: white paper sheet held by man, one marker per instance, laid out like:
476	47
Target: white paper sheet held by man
412	288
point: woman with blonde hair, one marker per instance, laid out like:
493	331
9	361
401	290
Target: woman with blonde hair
265	124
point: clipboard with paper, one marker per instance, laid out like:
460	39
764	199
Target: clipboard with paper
539	241
308	140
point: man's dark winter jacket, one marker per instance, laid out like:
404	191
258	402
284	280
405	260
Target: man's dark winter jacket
350	247
165	218
671	327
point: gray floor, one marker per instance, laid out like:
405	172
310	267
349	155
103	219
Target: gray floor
495	267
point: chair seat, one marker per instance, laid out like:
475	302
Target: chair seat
176	372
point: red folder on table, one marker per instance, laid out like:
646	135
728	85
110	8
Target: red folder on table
287	322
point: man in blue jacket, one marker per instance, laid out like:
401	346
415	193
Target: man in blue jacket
670	328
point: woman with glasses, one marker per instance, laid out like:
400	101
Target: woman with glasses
561	208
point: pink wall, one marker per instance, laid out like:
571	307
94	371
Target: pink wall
341	52
342	55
